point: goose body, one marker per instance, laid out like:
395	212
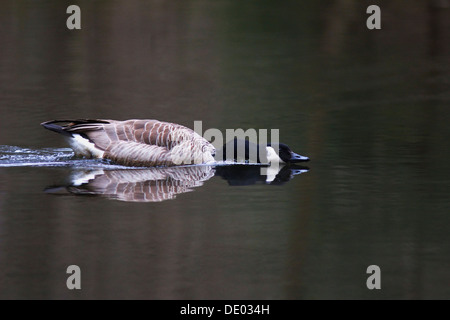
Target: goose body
135	142
164	183
139	185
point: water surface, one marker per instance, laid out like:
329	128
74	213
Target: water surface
370	108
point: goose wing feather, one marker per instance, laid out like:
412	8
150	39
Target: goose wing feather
141	142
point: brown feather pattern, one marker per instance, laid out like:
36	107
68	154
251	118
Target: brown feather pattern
142	142
149	185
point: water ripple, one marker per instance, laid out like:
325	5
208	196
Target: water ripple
13	156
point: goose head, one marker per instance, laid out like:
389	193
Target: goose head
244	150
283	154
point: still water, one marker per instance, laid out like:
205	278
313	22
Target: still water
370	108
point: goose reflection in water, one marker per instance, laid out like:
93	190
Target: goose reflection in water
160	184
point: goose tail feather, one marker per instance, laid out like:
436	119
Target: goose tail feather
66	127
54	126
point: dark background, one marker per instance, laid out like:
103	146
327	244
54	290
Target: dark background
370	108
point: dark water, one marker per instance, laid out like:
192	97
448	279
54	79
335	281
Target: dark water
370	108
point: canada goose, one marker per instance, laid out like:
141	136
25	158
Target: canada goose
134	142
243	175
244	150
163	183
149	143
138	185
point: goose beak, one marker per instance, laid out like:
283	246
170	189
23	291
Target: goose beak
295	172
297	158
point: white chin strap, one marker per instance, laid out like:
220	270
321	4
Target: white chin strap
272	156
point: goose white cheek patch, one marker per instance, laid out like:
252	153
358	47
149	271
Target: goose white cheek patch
84	177
272	156
271	173
275	161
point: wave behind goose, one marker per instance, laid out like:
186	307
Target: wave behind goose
13	156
